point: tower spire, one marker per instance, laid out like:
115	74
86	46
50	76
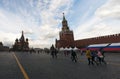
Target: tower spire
22	32
22	37
64	17
64	24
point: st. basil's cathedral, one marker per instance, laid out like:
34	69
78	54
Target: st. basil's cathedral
21	44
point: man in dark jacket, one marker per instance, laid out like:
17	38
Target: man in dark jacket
73	56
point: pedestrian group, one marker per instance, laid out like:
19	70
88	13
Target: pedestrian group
93	56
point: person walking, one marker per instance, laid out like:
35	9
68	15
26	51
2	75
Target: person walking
52	49
89	57
73	56
101	57
94	57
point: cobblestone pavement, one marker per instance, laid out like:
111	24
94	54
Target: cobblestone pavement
42	66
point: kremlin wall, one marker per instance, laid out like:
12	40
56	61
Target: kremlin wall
98	40
67	38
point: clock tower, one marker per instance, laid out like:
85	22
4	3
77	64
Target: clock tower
66	35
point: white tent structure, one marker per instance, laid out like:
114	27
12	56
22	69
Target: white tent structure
75	48
66	48
61	49
70	48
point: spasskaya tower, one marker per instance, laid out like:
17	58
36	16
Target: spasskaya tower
66	35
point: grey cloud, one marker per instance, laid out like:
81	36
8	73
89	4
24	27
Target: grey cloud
109	10
37	18
28	32
50	36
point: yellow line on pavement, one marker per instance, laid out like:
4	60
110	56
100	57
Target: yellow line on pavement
21	67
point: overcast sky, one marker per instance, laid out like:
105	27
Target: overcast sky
41	19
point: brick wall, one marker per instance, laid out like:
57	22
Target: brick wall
98	40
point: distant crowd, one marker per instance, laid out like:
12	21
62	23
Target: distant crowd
94	57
